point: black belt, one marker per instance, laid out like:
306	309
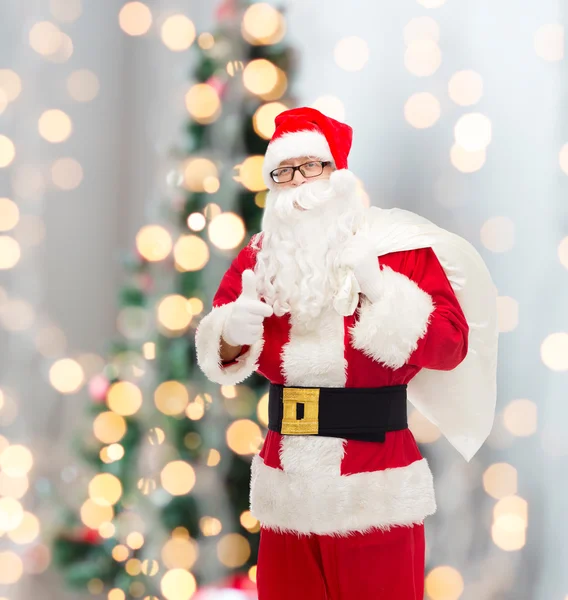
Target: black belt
363	414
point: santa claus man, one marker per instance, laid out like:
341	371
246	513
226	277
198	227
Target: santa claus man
347	310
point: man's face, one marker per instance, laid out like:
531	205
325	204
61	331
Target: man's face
310	165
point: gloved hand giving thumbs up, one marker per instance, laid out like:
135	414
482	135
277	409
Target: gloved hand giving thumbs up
244	324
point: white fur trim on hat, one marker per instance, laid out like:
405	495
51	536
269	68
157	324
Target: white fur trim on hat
293	145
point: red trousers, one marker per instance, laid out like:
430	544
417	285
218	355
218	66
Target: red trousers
362	566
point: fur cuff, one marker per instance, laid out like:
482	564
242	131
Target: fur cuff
331	504
388	330
207	340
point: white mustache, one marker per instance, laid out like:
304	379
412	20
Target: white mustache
307	196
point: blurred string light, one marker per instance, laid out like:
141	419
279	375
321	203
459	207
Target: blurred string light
9	252
507	314
178	33
233	550
422	110
330	106
66	173
263	118
423	57
554	351
196	221
55	126
420	29
466	87
244	437
498	234
549	42
10	84
199	173
510	521
178	478
520	417
171	398
250	173
7	151
444	583
226	231
173	314
203	103
263	25
563	158
124	398
66	10
206	41
191	253
563	252
135	18
351	53
83	85
153	242
178	584
500	480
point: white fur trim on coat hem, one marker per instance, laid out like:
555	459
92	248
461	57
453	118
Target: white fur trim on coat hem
338	505
294	145
389	329
207	340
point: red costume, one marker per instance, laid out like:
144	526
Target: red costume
343	519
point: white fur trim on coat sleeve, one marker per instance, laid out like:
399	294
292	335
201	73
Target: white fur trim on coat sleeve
294	145
207	340
325	503
389	329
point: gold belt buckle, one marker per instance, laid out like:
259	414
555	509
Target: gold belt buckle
309	425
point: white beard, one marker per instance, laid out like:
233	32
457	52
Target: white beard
297	265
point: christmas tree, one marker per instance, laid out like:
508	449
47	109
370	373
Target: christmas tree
166	510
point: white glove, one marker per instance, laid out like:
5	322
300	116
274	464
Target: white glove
244	324
361	257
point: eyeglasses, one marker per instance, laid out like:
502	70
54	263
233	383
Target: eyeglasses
309	169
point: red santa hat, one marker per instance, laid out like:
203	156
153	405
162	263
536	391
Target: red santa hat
307	132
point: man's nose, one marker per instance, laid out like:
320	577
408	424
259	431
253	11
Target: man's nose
298	178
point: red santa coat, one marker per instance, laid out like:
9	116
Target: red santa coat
312	484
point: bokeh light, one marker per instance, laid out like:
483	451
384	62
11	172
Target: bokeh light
250	173
500	480
233	550
178	33
421	28
178	584
174	313
66	173
226	231
120	553
55	126
196	171
7	151
244	437
9	252
249	522
260	76
16	314
191	253
466	161
466	87
263	119
64	50
66	10
11	514
206	41
83	85
11	567
196	409
213	458
351	53
563	158
262	410
210	526
554	351
179	553
27	531
105	489
109	427
135	540
423	57
423	430
135	18
178	478
116	594
28	182
549	42
10	84
203	103
94	515
171	397
507	313
331	106
444	583
153	242
16	460
195	305
520	417
422	110
13	487
45	38
263	25
66	376
124	398
498	234
196	221
473	132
